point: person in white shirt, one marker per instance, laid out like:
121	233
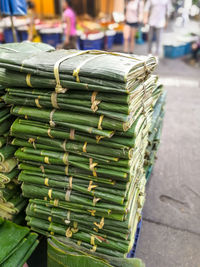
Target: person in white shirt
133	15
156	14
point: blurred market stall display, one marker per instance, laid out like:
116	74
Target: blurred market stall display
13	8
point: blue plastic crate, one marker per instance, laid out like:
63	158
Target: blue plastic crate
93	44
131	254
188	48
80	43
23	35
119	38
8	35
149	172
110	41
174	51
51	38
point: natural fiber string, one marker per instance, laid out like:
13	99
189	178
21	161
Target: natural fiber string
32	141
92	167
95	200
101	224
92	212
77	70
59	88
100	122
46	181
65	158
37	103
70	182
85	147
72	134
49	133
51	122
56	202
28	80
66	170
50	193
54	101
67	195
46	160
64	145
94	102
68	232
98	138
91	186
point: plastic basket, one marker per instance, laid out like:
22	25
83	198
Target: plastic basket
149	172
119	38
23	35
8	35
93	44
51	38
174	51
188	48
131	254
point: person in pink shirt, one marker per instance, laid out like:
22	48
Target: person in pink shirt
69	18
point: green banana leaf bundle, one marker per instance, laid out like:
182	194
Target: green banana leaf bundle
63	251
17	244
112	70
155	131
11	201
47	99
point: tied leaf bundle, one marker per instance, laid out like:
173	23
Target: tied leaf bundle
154	134
12	204
16	243
82	129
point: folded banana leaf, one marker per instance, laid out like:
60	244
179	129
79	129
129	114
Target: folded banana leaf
5	178
70	254
8	165
17	244
6	152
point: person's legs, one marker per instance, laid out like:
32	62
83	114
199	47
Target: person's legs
132	37
159	32
127	30
150	39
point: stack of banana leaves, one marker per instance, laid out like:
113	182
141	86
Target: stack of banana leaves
155	130
12	203
82	132
17	244
63	252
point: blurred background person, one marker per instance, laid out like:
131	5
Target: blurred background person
133	16
33	35
69	17
156	14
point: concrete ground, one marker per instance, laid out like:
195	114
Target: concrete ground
170	235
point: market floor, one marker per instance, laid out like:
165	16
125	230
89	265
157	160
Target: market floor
170	235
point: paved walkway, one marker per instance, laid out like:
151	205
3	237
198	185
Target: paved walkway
170	235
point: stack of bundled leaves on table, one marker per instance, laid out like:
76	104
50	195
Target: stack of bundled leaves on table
155	130
82	128
16	243
12	204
